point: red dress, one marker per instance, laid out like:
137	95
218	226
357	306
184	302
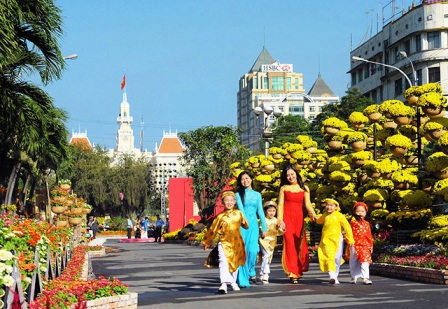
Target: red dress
295	258
363	240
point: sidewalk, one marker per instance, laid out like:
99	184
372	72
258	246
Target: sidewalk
173	276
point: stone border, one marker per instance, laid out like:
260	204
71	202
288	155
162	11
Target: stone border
426	275
125	301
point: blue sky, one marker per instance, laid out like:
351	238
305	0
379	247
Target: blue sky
183	59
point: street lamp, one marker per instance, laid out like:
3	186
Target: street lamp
71	57
419	138
267	110
403	54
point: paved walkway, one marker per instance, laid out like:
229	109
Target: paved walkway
173	276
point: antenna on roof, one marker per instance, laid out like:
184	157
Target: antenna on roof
142	134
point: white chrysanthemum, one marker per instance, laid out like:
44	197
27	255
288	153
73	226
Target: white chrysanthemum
8	268
8	280
43	269
26	280
10	235
5	255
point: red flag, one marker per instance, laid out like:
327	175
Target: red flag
123	82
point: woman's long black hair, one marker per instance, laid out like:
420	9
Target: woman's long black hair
239	187
284	179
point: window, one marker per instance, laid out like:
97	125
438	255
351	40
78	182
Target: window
396	55
366	72
433	40
418	42
433	75
373	95
398	87
297	83
419	77
360	75
372	68
353	79
320	109
277	83
407	47
296	109
256	83
312	109
265	83
288	83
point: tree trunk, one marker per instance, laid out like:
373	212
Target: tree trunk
12	182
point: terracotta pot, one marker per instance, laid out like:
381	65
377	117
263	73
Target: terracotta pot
335	144
441	174
74	221
304	162
331	130
77	210
256	165
435	134
402	185
311	149
433	111
389	124
65	186
374	117
287	156
339	184
423	120
398	151
402	120
58	209
411	160
61	223
269	167
359	146
386	175
358	126
373	174
412	100
374	204
277	156
358	163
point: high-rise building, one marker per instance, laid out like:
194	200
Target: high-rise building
415	43
275	84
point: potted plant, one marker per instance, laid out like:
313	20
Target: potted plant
340	178
402	114
433	104
332	125
416	200
302	157
360	157
277	152
412	93
307	143
358	120
387	123
65	184
358	140
443	142
387	166
372	112
384	107
399	144
403	179
409	131
437	164
374	198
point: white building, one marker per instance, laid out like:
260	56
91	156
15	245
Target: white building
275	84
416	41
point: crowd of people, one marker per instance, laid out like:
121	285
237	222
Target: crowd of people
247	227
144	228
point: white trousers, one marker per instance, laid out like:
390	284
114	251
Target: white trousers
337	259
265	268
144	234
358	269
224	274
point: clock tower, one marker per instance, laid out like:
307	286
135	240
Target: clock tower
125	135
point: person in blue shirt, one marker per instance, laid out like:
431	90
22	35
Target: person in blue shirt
250	203
129	226
159	226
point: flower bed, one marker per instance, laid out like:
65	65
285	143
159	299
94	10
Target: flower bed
435	276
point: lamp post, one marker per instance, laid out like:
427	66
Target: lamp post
419	138
267	110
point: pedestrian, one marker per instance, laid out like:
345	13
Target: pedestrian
159	226
94	227
332	241
230	247
129	226
144	227
250	204
361	253
292	198
269	242
167	225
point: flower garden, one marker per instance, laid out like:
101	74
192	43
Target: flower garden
375	158
43	265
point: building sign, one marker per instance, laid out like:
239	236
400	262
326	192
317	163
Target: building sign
276	67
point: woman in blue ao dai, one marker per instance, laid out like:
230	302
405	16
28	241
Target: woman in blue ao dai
250	203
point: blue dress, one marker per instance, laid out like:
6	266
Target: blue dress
252	211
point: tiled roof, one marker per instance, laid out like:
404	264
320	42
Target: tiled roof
320	89
81	142
264	58
170	145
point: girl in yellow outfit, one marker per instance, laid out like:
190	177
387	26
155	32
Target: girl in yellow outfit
231	251
332	241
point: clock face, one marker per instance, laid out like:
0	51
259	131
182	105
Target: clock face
125	137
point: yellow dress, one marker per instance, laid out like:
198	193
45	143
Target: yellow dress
270	240
331	235
227	226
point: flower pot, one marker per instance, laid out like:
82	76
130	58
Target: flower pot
65	186
277	156
398	151
304	162
287	156
269	167
389	124
339	184
256	165
374	117
435	134
335	144
359	146
77	210
358	126
331	130
402	185
74	221
87	210
58	209
423	120
358	163
441	174
412	100
374	204
373	174
311	149
402	120
433	111
61	223
411	160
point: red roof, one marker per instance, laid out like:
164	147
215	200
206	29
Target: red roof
170	145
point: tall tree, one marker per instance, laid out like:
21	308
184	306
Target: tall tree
207	158
288	127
